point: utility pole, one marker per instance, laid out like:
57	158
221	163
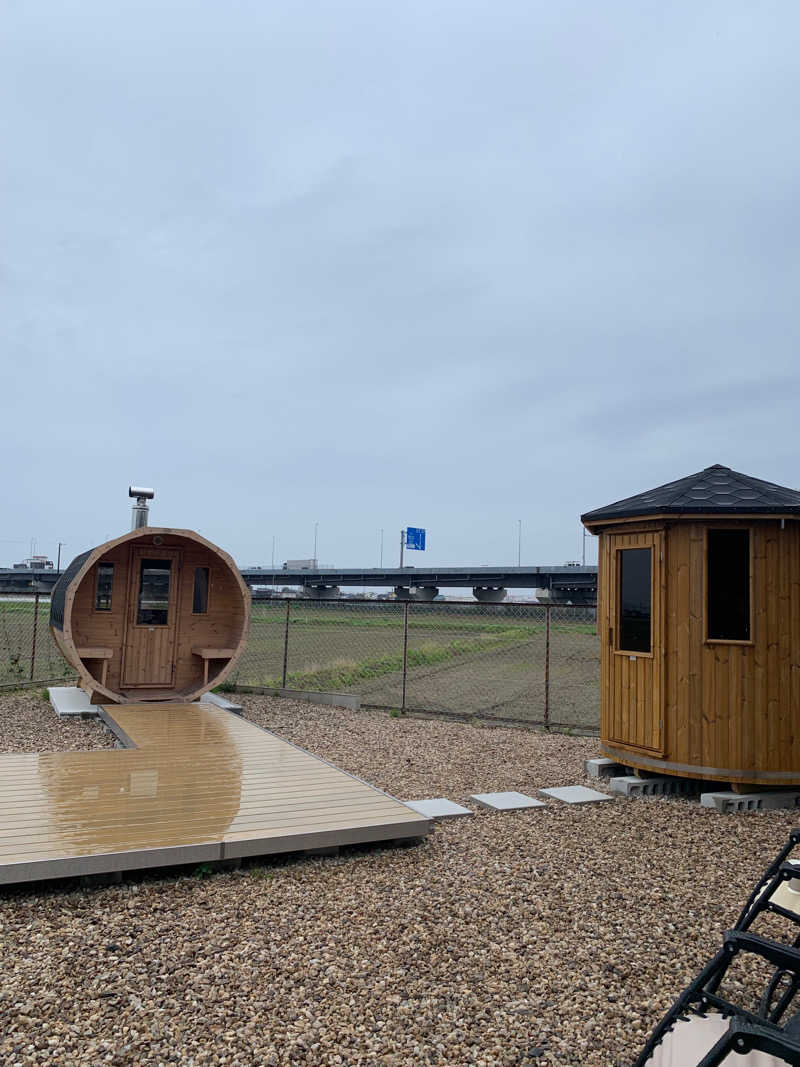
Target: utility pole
273	551
402	543
316	561
519	542
381	563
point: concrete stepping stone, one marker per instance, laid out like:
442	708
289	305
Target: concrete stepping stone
69	701
438	808
511	801
575	794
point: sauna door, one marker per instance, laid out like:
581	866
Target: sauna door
633	675
152	620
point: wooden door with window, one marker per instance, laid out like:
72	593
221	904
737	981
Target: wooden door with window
633	668
152	620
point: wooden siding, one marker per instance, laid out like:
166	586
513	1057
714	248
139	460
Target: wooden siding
200	785
730	708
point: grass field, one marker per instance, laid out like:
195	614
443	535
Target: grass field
484	660
467	660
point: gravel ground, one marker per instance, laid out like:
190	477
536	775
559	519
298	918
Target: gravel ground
29	724
557	936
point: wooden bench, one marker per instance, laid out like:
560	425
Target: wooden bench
104	654
207	654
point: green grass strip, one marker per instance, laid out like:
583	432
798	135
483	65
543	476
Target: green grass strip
344	675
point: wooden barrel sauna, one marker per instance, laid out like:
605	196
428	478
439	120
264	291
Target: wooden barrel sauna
156	614
699	622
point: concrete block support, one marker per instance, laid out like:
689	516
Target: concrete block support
630	785
489	594
733	802
603	767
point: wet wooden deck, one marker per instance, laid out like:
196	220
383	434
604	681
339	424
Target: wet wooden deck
196	784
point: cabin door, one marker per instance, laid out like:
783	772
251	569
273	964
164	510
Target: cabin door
633	667
152	621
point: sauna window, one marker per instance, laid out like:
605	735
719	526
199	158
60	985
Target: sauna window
105	580
154	579
635	600
728	585
200	598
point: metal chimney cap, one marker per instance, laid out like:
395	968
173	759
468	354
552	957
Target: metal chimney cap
142	494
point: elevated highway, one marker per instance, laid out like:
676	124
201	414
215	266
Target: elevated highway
574	583
565	583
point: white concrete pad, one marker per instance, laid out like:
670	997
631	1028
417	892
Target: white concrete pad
437	808
506	801
69	700
575	794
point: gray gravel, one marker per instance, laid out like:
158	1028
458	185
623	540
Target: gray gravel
29	724
554	936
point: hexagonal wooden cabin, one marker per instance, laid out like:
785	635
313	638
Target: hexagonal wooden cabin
156	614
699	620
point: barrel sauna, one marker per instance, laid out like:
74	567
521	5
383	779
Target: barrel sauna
157	614
699	622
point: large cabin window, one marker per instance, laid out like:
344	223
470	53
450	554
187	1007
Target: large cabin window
200	597
154	579
728	585
635	595
105	582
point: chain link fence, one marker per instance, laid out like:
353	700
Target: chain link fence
531	663
27	650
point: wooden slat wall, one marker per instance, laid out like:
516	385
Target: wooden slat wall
732	707
104	628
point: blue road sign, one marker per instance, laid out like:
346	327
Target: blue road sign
415	538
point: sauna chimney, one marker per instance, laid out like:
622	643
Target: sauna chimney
140	511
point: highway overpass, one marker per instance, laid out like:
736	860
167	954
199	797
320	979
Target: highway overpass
566	583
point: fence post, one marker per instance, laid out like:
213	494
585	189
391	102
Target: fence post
547	666
285	644
405	653
35	628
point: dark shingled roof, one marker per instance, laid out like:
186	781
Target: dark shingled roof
715	489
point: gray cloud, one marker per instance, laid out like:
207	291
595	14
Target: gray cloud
444	265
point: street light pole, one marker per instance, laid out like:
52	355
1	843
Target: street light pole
519	542
402	541
381	563
316	527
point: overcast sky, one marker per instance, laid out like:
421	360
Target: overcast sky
441	264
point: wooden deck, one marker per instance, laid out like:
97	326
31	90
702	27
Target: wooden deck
195	784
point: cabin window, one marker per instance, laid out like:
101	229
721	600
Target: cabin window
200	599
635	600
105	580
154	579
728	585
